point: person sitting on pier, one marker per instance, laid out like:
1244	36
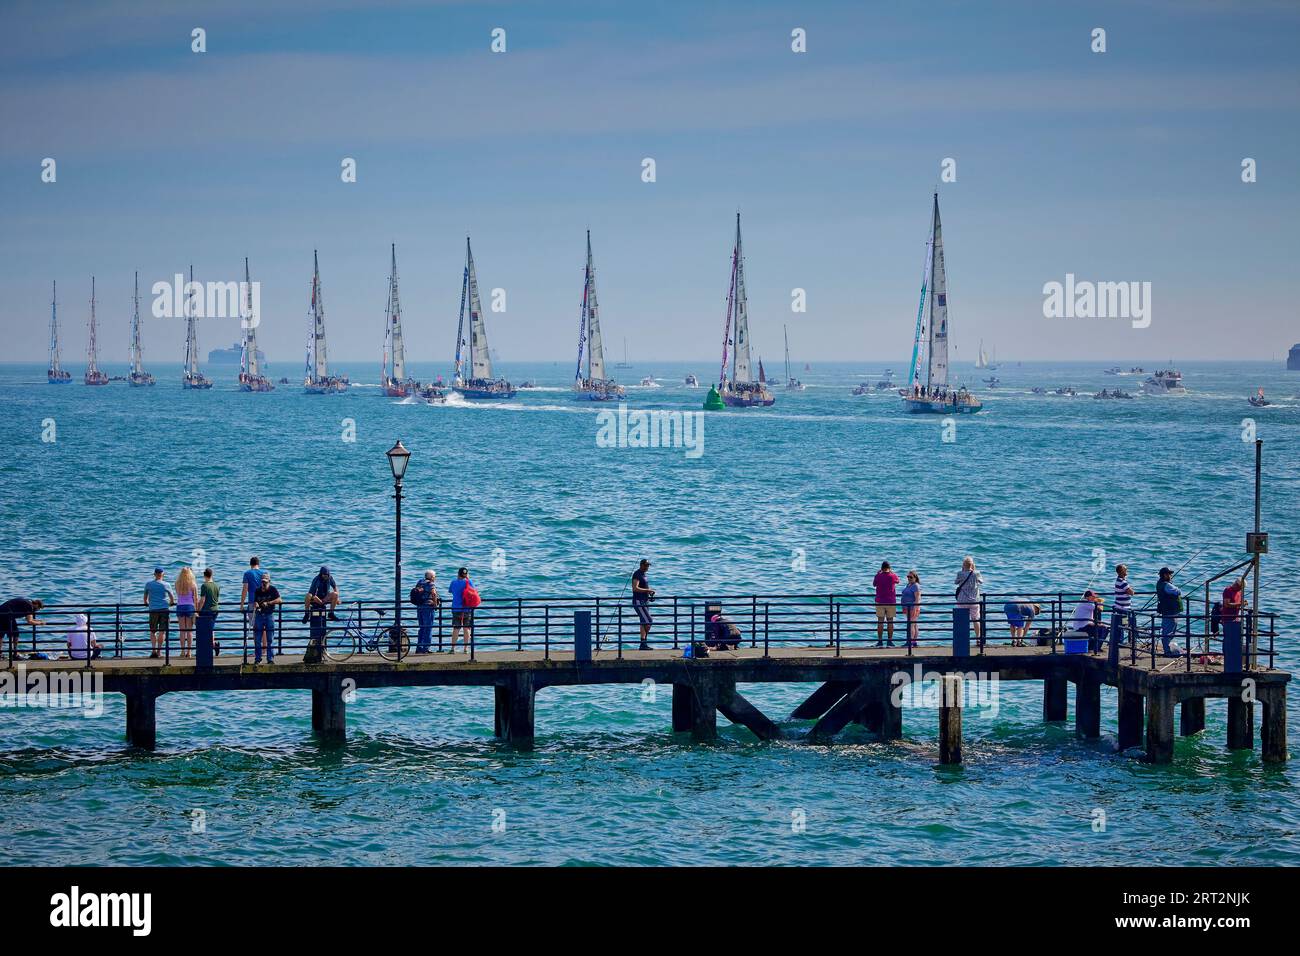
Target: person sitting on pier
462	616
1085	620
158	598
969	582
1020	615
885	582
265	598
324	592
1169	604
81	637
11	611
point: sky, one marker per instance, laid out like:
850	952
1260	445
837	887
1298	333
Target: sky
1115	166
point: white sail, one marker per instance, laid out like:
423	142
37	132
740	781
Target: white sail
480	358
742	366
982	360
191	333
395	324
320	362
250	327
938	376
92	346
595	344
137	348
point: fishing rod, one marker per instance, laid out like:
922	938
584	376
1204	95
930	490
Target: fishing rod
1181	567
600	635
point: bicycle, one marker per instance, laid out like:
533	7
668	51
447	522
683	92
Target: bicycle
359	637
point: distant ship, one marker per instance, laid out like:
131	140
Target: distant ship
791	383
739	390
93	375
137	376
930	346
232	355
56	374
594	385
193	378
480	382
317	379
1293	358
1167	381
251	358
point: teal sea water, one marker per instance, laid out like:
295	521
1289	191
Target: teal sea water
1031	488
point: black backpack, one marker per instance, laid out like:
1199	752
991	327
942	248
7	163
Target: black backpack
416	596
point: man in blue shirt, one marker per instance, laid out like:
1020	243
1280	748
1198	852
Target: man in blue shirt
158	598
252	581
462	618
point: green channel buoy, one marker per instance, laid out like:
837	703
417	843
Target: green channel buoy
713	401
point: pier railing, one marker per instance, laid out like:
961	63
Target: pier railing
545	625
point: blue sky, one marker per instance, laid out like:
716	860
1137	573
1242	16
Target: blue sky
1115	167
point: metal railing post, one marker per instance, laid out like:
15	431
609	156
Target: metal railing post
519	624
546	631
766	624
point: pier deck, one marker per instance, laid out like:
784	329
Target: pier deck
856	686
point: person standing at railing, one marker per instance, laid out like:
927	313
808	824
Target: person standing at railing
425	598
1169	604
187	600
265	599
642	595
209	605
969	582
1123	612
252	581
912	606
10	613
158	598
462	616
885	582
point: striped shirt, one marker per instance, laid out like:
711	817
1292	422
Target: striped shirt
1123	600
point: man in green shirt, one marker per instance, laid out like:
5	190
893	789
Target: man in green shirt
208	605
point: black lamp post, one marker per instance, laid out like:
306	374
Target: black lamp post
398	457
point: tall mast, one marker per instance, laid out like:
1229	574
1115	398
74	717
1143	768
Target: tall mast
320	368
479	355
786	329
191	335
460	325
731	303
595	341
55	365
395	323
137	350
742	370
919	354
92	348
582	315
250	362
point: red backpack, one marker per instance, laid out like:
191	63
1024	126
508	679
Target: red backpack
469	597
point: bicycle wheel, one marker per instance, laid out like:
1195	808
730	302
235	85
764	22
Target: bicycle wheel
388	643
339	645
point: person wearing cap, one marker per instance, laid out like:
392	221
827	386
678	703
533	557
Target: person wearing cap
158	598
1169	604
252	581
265	599
462	617
1085	619
427	591
642	595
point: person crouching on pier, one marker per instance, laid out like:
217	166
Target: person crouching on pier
265	598
81	639
158	598
323	593
11	611
1020	615
462	616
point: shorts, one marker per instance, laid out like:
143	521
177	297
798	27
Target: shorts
185	615
1015	620
884	612
462	618
643	613
158	621
974	610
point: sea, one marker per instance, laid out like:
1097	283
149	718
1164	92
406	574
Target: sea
99	485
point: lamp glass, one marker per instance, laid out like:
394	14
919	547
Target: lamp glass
398	456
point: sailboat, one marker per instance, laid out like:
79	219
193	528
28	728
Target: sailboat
624	363
395	381
93	375
55	374
932	393
739	390
594	386
982	359
251	378
791	383
481	383
137	377
317	379
193	378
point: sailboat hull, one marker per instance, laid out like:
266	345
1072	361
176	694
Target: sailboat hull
331	388
758	398
258	385
476	388
201	385
58	379
926	406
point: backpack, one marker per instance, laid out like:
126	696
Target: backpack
416	596
469	597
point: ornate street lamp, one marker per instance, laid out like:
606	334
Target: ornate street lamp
398	457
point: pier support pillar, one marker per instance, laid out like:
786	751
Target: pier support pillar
682	711
704	707
1130	718
501	705
515	709
1055	702
891	714
1241	724
738	710
329	709
950	720
1087	707
1191	716
1272	728
849	707
142	718
1160	726
822	699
